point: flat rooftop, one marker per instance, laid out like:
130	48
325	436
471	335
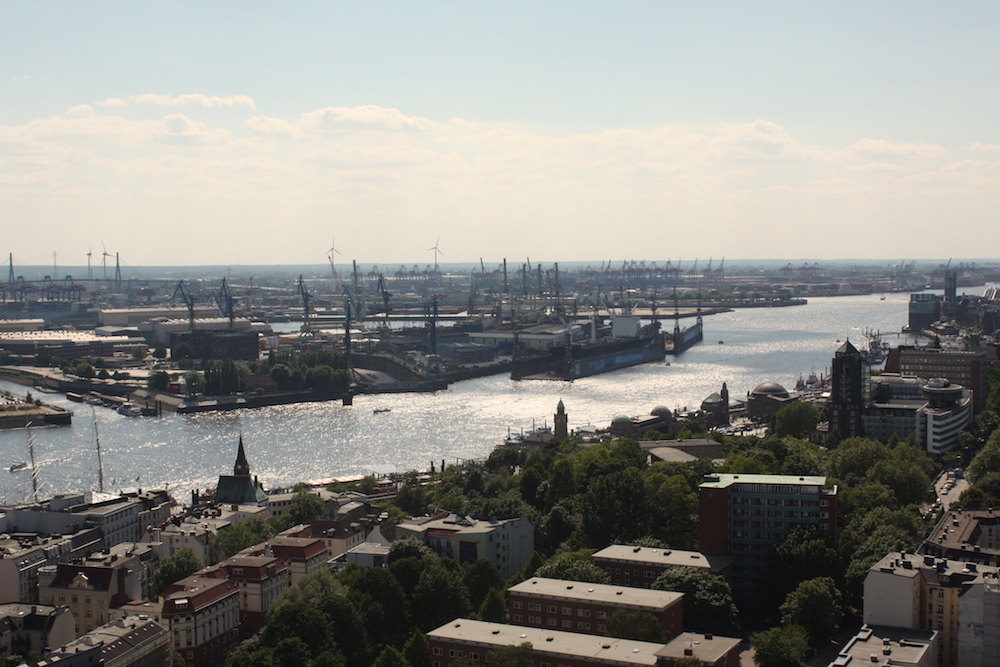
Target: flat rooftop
551	642
896	646
664	557
707	648
723	481
622	596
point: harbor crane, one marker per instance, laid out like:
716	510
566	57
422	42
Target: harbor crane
304	293
188	300
225	301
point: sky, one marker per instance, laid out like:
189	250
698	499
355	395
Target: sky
244	133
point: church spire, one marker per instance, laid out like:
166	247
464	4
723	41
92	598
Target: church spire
242	468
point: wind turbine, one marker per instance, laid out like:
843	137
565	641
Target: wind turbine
437	251
104	259
331	253
90	274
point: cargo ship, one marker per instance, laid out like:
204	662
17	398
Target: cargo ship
639	345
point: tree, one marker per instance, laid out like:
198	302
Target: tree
494	607
439	596
574	567
183	350
174	568
708	600
805	553
236	538
158	381
510	656
305	507
481	576
407	547
786	646
84	370
689	661
140	352
160	352
194	382
639	625
415	649
815	606
797	419
390	657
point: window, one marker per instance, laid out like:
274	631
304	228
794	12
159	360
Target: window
451	653
601	627
517	604
579	612
551	622
567	623
474	656
567	611
579	625
602	614
517	617
551	609
438	650
586	613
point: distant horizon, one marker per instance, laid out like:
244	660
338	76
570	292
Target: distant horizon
78	272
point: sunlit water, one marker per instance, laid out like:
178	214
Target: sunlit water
289	443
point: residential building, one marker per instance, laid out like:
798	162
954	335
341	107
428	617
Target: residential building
745	515
368	554
203	617
92	591
260	580
301	555
880	645
640	566
472	640
958	600
508	543
577	606
711	650
125	642
966	535
32	627
23	554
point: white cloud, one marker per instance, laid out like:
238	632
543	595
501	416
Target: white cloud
380	167
268	125
886	149
187	100
365	116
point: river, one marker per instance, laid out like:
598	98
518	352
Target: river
290	443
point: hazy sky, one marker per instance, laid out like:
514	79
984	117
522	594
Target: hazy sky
253	132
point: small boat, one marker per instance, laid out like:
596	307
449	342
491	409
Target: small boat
381	410
18	466
881	298
721	342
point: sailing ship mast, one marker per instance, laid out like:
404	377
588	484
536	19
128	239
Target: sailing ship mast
34	468
100	464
